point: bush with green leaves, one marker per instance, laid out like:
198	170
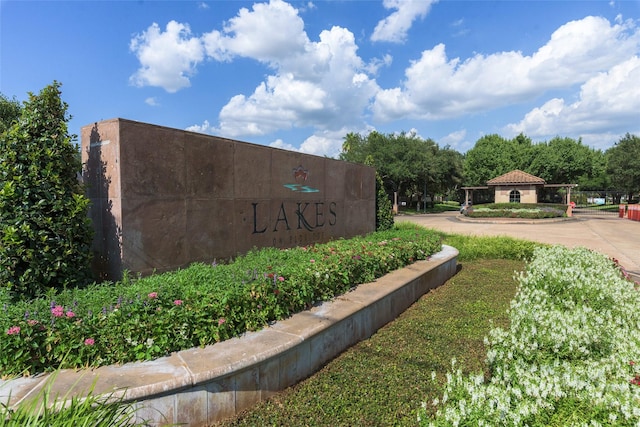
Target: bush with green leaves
45	232
384	213
517	210
153	316
568	357
10	110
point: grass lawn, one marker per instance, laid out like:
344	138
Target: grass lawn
381	381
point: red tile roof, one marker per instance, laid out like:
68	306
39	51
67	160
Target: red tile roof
516	177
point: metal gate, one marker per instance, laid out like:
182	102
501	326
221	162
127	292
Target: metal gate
600	203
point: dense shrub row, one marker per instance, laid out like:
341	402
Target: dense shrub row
200	305
568	357
517	210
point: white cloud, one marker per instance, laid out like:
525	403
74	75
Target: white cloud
278	143
607	101
394	27
152	101
376	63
322	84
269	33
323	143
205	127
437	87
454	139
167	58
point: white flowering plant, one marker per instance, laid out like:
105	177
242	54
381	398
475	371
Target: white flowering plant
569	354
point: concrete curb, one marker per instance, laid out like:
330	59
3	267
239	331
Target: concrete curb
201	386
464	218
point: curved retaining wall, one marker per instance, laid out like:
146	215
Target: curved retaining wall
200	386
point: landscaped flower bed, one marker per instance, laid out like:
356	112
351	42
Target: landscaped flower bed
517	210
150	317
570	354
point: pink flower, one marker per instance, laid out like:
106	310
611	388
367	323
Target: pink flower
14	330
312	261
281	279
70	314
89	341
178	302
221	321
32	322
57	311
153	295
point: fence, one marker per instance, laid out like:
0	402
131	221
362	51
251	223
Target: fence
598	202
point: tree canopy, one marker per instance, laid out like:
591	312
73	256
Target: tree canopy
411	165
406	163
623	164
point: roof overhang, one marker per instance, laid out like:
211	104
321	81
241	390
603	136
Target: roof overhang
560	185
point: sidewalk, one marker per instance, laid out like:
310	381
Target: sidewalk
615	237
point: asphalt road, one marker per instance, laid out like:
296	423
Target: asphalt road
615	237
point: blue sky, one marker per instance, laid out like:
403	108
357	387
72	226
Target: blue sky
301	75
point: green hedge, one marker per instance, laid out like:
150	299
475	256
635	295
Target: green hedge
517	210
200	305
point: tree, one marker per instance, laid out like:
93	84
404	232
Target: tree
45	232
490	157
563	161
9	112
447	172
623	164
402	159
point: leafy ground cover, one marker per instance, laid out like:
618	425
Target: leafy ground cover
516	210
150	317
381	381
561	348
563	352
568	357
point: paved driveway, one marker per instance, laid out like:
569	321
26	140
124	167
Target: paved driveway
615	237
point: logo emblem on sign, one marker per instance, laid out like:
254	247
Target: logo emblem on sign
300	174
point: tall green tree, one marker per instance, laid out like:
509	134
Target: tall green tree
45	232
406	163
563	161
447	173
623	164
490	157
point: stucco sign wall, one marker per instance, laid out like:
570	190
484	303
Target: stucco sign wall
164	198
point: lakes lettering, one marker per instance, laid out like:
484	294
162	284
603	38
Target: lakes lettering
310	216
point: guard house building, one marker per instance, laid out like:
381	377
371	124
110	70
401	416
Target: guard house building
517	187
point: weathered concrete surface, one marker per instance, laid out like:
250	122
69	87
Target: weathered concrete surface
164	198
